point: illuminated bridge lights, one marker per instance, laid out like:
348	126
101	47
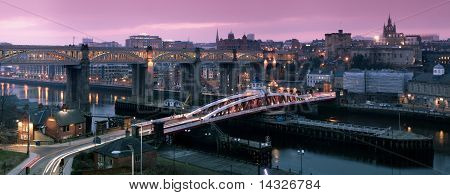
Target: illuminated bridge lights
234	106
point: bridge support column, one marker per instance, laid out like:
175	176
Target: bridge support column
229	78
191	87
138	85
77	86
159	132
190	83
142	80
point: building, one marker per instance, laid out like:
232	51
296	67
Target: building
206	46
178	45
436	57
232	43
413	40
167	76
430	90
315	77
335	42
105	159
390	35
384	81
90	42
292	45
143	41
40	72
271	45
429	37
251	36
395	56
436	46
117	74
65	124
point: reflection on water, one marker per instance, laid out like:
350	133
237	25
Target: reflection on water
103	104
328	157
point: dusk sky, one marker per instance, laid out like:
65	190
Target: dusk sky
108	20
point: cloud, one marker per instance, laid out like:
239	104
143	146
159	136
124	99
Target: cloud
185	25
19	23
158	27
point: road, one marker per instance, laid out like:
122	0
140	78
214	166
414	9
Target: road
49	157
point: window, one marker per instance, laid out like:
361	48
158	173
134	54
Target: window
80	126
64	128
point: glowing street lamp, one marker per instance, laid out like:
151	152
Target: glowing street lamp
301	153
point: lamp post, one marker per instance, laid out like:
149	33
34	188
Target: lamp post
142	132
116	152
301	153
29	127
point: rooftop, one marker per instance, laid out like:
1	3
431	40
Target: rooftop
432	79
64	118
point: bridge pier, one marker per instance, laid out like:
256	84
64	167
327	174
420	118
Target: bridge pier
229	78
191	87
77	86
138	88
142	80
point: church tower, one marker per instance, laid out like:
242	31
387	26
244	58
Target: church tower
217	36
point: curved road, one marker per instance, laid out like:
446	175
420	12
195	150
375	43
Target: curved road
48	157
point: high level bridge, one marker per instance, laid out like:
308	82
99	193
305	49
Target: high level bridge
77	59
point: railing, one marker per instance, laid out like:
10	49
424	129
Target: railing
343	126
189	122
398	109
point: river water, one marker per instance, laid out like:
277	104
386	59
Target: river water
318	158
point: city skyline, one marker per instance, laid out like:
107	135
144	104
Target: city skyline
53	22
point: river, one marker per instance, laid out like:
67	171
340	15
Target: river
317	159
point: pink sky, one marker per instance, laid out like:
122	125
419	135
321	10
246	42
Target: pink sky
198	20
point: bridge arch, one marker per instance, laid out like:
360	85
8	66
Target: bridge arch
217	57
117	57
50	57
181	57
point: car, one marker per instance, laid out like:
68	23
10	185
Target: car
369	103
384	105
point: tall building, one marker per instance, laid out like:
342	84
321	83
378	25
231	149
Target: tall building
337	43
143	41
390	35
239	44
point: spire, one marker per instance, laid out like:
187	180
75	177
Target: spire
217	36
389	20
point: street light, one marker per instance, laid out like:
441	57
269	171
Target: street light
142	133
30	128
117	152
301	153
